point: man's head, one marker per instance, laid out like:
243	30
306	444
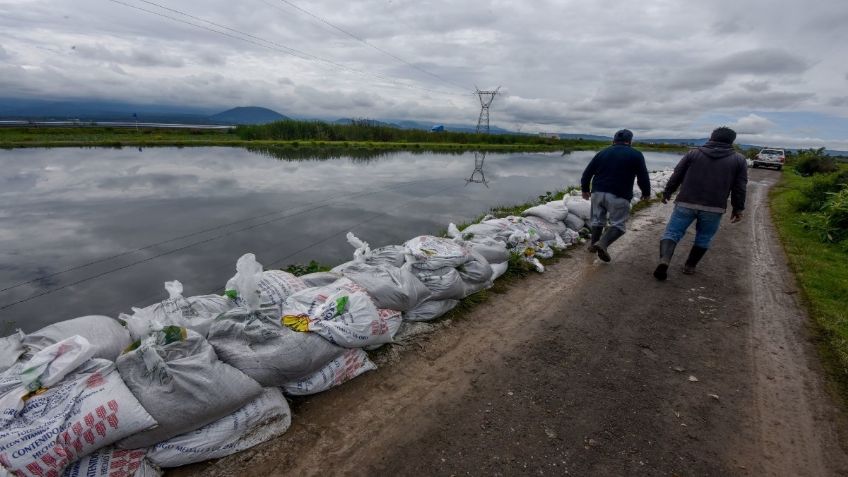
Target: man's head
723	134
625	136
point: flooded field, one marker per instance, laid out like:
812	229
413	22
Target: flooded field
97	231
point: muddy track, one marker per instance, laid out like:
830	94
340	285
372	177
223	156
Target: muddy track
591	369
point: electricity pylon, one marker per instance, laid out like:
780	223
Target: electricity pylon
486	98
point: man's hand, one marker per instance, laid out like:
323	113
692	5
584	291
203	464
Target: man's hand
586	195
735	216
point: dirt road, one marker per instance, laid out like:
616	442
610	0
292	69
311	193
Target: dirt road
592	369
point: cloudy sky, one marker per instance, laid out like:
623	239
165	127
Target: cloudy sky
775	71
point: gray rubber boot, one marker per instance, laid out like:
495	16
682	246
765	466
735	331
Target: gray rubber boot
666	252
695	256
611	235
593	241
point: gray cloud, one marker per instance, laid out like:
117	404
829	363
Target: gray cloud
567	65
765	62
132	57
148	182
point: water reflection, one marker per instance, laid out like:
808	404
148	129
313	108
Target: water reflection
96	231
478	176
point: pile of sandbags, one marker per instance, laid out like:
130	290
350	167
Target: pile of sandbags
206	375
176	375
62	405
252	338
450	269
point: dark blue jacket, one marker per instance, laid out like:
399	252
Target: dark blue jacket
613	170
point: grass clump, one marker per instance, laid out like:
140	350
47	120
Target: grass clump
816	243
298	269
814	161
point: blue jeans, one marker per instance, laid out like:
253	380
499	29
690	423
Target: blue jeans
706	225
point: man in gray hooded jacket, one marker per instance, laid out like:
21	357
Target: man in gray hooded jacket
706	176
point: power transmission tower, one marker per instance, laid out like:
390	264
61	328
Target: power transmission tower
478	176
486	98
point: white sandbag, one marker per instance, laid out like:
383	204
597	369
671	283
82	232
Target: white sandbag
570	237
546	231
579	206
107	336
11	349
554	211
388	286
394	255
557	227
179	380
319	279
429	253
273	286
344	368
444	283
342	313
476	270
493	250
499	269
430	310
484	229
113	462
90	407
574	222
266	417
195	313
50	365
252	338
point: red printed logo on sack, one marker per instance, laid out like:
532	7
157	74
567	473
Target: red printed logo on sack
95	380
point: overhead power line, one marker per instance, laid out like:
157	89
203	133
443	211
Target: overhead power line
371	45
268	44
324	203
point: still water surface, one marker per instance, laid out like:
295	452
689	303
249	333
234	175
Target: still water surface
97	231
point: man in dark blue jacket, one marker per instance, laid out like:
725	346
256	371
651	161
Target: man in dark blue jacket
611	173
706	176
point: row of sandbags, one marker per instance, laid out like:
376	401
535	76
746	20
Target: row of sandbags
193	378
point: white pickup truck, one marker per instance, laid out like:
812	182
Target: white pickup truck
770	158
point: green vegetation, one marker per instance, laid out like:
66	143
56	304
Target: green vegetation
814	161
297	269
297	138
811	215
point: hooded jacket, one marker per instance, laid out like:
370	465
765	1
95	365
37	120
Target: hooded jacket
707	175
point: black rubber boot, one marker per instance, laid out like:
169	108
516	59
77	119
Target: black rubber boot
611	235
666	252
593	241
695	256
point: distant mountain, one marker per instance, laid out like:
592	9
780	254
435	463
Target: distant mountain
96	110
247	115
